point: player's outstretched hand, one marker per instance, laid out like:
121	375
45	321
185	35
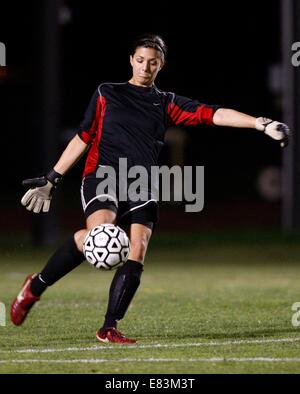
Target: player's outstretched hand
39	196
276	130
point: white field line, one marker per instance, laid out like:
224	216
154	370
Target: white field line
157	360
156	346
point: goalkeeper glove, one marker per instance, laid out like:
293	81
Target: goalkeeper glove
276	130
38	197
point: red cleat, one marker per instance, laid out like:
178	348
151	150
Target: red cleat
23	303
112	335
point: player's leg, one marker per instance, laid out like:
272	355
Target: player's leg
66	258
125	284
127	277
96	218
69	255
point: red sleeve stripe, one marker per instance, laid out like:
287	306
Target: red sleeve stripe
203	114
88	135
93	155
84	136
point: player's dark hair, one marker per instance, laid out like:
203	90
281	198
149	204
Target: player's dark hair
151	41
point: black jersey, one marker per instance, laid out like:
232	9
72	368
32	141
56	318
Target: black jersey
129	121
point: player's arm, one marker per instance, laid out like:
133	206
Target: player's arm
73	152
184	111
231	118
39	196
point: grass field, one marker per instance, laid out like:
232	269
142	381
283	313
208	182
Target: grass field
219	304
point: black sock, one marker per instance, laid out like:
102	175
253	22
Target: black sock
65	259
121	292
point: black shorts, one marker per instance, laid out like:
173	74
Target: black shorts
128	212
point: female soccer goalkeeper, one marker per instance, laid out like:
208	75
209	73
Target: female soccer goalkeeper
123	120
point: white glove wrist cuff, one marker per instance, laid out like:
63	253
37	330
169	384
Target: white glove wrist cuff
261	123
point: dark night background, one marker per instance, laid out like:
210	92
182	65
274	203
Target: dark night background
219	53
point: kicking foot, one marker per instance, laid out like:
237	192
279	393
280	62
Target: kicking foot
23	303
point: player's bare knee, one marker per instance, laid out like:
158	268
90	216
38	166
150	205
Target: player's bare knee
79	238
100	217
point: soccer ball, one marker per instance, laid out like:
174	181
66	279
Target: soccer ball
106	246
